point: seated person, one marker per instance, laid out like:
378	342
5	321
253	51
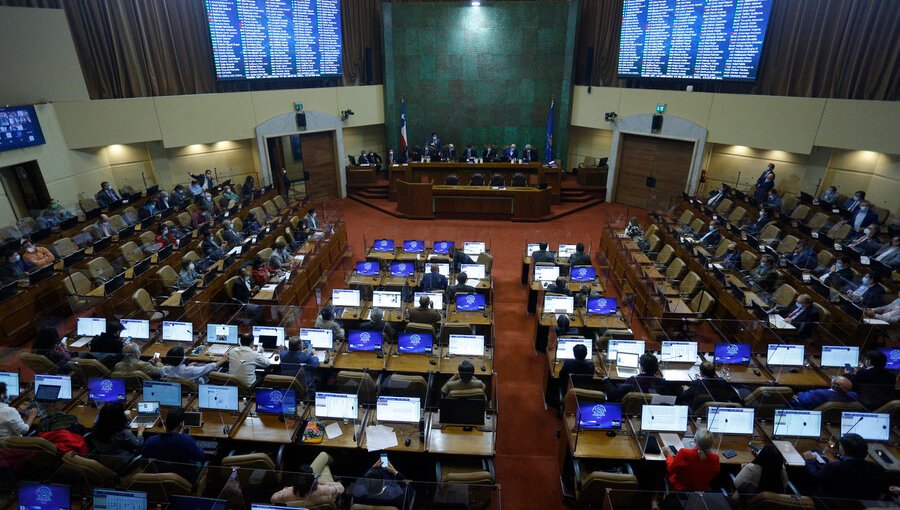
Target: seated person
459	258
564	328
849	477
716	196
112	442
230	235
542	254
764	275
852	203
830	196
178	197
325	320
243	360
425	314
863	217
709	387
773	201
228	197
803	256
840	391
280	258
865	242
731	259
147	210
12	423
132	362
311	219
165	237
712	237
376	323
195	189
294	359
243	288
868	293
106	196
261	273
838	274
579	258
47	343
460	287
889	253
889	313
12	267
693	469
560	286
37	256
765	216
584	293
313	481
463	379
210	247
106	228
46	219
382	486
107	347
188	275
648	380
251	224
434	280
174	451
803	315
163	202
874	372
578	366
767	473
58	211
176	367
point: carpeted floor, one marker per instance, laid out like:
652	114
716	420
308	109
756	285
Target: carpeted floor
526	439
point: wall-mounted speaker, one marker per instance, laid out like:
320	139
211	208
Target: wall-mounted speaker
301	121
656	126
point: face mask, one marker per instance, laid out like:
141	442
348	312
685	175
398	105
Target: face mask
864	209
867	281
54	206
190	267
31	249
762	265
839	265
16	258
868	231
799	304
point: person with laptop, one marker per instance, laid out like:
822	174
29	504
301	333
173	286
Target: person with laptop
802	315
188	275
463	379
425	314
712	237
12	267
211	249
281	257
107	195
584	293
764	275
294	358
243	360
325	320
260	273
542	254
578	366
460	287
648	380
230	235
313	482
560	286
165	237
708	387
693	469
311	221
37	256
773	201
112	441
14	422
874	372
803	256
865	242
563	327
889	253
175	366
765	216
579	258
830	196
767	473
434	280
376	323
174	451
864	217
132	362
840	391
731	259
107	347
868	293
838	273
105	226
849	477
889	313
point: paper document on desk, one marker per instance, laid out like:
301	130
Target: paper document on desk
671	439
333	430
778	322
270	287
473	282
878	322
81	342
791	455
380	437
718	266
662	400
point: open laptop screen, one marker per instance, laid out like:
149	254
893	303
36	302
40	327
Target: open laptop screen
599	415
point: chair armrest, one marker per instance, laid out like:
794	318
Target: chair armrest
576	465
489	467
437	472
279	456
793	488
629	469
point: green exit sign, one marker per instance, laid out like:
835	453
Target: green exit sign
298	107
660	108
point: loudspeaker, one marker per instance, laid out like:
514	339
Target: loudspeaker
369	70
656	126
301	121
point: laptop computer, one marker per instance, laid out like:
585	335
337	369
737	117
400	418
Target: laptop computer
47	393
147	415
627	363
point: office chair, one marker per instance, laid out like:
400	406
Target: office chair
134	379
477	180
38	363
519	180
497	180
451	180
85	368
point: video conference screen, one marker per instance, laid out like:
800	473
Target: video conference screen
692	39
275	38
19	128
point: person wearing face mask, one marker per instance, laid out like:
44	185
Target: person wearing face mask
280	256
889	253
868	293
839	273
37	256
310	220
188	275
849	477
204	201
46	220
773	201
762	188
716	196
195	189
178	196
205	180
852	203
12	268
803	315
731	259
764	275
243	288
830	196
230	235
210	247
106	196
165	237
803	256
230	195
864	217
58	211
765	216
104	225
162	201
769	170
712	238
865	244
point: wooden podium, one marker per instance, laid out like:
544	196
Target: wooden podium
419	200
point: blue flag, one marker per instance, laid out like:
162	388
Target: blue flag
548	148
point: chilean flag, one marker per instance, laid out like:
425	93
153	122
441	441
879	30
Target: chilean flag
403	140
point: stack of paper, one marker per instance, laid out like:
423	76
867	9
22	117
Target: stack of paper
380	437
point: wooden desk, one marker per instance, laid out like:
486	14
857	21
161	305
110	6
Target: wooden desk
269	428
449	364
416	437
453	440
427	201
346	360
595	444
220	424
807	377
361	176
349	431
438	172
413	363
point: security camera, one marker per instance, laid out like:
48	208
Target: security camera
610	116
345	114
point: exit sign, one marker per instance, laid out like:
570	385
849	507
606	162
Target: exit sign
660	108
298	107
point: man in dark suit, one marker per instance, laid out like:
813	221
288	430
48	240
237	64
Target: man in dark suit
374	158
838	274
530	155
868	294
731	259
874	371
712	237
230	235
542	254
889	253
649	380
579	258
511	153
490	153
851	477
449	153
459	258
578	366
564	327
205	180
363	159
761	194
376	323
765	216
770	169
764	274
434	280
210	247
415	153
395	159
803	256
716	196
709	387
433	144
559	287
863	217
865	243
853	203
460	286
243	288
803	315
107	195
470	153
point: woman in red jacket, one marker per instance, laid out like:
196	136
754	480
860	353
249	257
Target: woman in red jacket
261	272
165	238
693	469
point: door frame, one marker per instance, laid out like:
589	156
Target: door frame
285	124
675	128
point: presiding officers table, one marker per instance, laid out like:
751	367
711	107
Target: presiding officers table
437	173
428	201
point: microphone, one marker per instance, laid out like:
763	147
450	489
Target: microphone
861	418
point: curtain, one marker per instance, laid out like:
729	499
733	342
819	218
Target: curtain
814	48
361	29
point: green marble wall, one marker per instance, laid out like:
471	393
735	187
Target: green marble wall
479	74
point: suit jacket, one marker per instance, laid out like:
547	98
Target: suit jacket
556	290
106	197
731	260
756	227
489	154
425	316
848	478
470	153
580	259
892	260
803	321
434	281
838	278
575	367
530	155
869	218
511	154
762	191
543	256
450	154
454	289
766	278
212	249
762	177
231	237
381	326
241	291
310	223
363	160
851	204
711	239
872	297
806	259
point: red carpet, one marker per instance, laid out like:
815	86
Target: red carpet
526	439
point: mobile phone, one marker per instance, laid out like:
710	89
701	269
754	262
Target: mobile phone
384	460
729	454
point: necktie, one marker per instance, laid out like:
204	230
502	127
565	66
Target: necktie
795	313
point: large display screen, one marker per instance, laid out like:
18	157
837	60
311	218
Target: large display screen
692	39
19	127
259	39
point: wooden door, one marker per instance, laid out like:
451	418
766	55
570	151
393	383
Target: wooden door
667	161
319	162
